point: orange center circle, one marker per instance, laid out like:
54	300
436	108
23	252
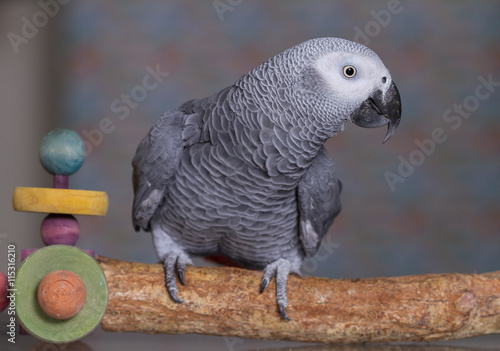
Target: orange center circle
61	294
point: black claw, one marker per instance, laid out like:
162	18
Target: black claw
283	312
263	284
173	295
182	276
181	272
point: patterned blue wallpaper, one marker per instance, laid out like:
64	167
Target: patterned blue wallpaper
426	201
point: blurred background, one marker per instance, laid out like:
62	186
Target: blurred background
411	206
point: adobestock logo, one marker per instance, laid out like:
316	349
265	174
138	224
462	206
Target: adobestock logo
122	107
31	26
223	6
382	18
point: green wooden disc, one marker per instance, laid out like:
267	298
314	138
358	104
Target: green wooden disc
35	268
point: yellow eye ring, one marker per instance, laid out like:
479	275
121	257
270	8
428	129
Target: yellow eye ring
349	71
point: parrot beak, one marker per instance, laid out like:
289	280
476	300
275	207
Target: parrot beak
379	110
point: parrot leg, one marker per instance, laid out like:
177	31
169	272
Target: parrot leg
174	261
279	269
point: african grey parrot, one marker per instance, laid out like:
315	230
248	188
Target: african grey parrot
244	173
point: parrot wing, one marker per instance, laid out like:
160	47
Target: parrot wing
318	202
155	162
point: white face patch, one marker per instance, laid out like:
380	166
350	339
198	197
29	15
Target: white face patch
337	68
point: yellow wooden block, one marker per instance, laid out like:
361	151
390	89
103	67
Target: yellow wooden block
69	201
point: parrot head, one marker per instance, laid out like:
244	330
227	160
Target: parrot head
356	79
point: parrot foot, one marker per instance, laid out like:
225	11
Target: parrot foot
175	262
279	269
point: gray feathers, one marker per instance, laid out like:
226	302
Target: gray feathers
222	174
243	172
319	202
155	164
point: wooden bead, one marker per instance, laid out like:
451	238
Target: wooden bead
61	294
3	292
60	229
62	151
66	201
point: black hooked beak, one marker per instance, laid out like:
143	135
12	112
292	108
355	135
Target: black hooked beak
378	110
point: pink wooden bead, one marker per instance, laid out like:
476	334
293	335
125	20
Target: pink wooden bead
60	229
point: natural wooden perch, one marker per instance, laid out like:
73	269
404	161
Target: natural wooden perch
226	301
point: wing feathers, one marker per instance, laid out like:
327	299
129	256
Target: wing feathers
156	159
318	202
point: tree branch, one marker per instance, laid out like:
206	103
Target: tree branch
226	301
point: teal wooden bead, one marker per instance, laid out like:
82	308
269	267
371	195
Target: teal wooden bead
62	152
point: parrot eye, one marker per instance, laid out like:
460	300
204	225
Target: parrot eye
349	71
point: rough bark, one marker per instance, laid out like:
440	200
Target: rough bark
226	301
